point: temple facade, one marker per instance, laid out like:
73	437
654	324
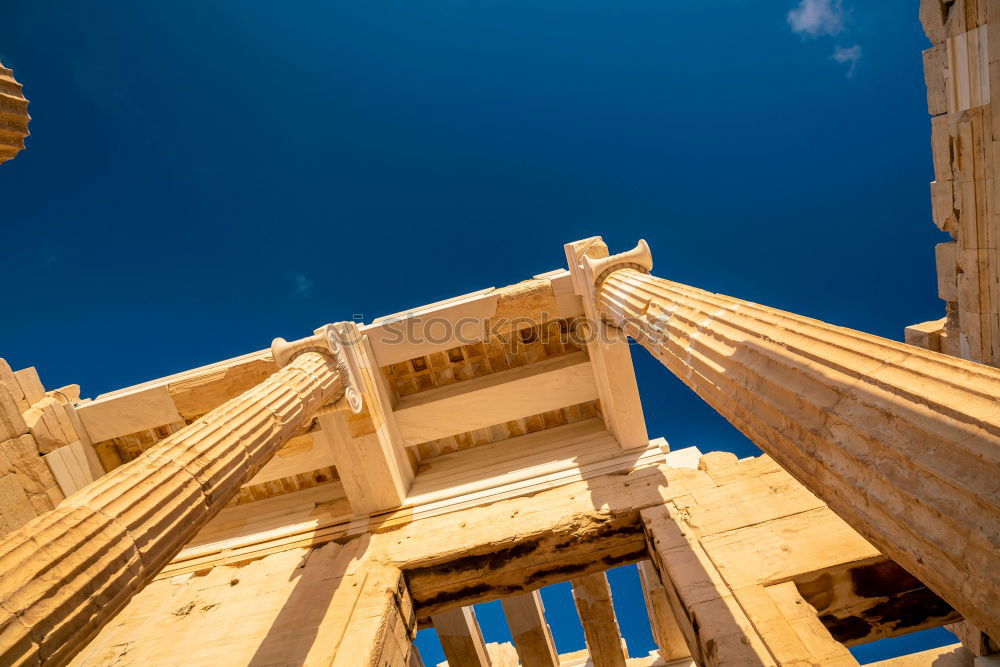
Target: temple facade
319	501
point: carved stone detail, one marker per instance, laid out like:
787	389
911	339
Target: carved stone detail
338	339
344	339
639	258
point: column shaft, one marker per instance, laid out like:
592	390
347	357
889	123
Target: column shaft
901	442
69	571
532	637
13	116
592	595
461	638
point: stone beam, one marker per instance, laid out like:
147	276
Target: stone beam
66	573
301	454
367	447
497	398
517	545
902	443
470	318
592	596
391	339
191	393
609	353
373	479
579	544
461	639
532	636
432	328
724	553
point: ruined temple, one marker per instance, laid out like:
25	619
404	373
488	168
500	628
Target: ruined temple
320	500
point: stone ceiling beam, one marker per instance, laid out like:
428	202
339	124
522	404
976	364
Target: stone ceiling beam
494	399
516	545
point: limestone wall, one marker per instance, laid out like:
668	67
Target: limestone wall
961	68
33	422
760	571
325	605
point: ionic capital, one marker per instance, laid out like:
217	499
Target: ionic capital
336	340
590	265
639	258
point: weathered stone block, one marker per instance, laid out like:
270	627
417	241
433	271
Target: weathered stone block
44	428
11	422
927	335
33	474
932	17
947	266
8	380
713	460
15	506
31	384
934	75
943	206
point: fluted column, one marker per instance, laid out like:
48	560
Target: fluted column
901	442
13	116
69	571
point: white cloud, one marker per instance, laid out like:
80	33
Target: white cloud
813	18
303	286
848	54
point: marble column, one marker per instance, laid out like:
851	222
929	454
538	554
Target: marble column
901	442
68	572
14	116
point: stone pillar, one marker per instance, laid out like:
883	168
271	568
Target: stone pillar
13	116
902	443
670	640
461	638
592	596
66	573
532	636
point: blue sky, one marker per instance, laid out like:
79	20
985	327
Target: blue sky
205	176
